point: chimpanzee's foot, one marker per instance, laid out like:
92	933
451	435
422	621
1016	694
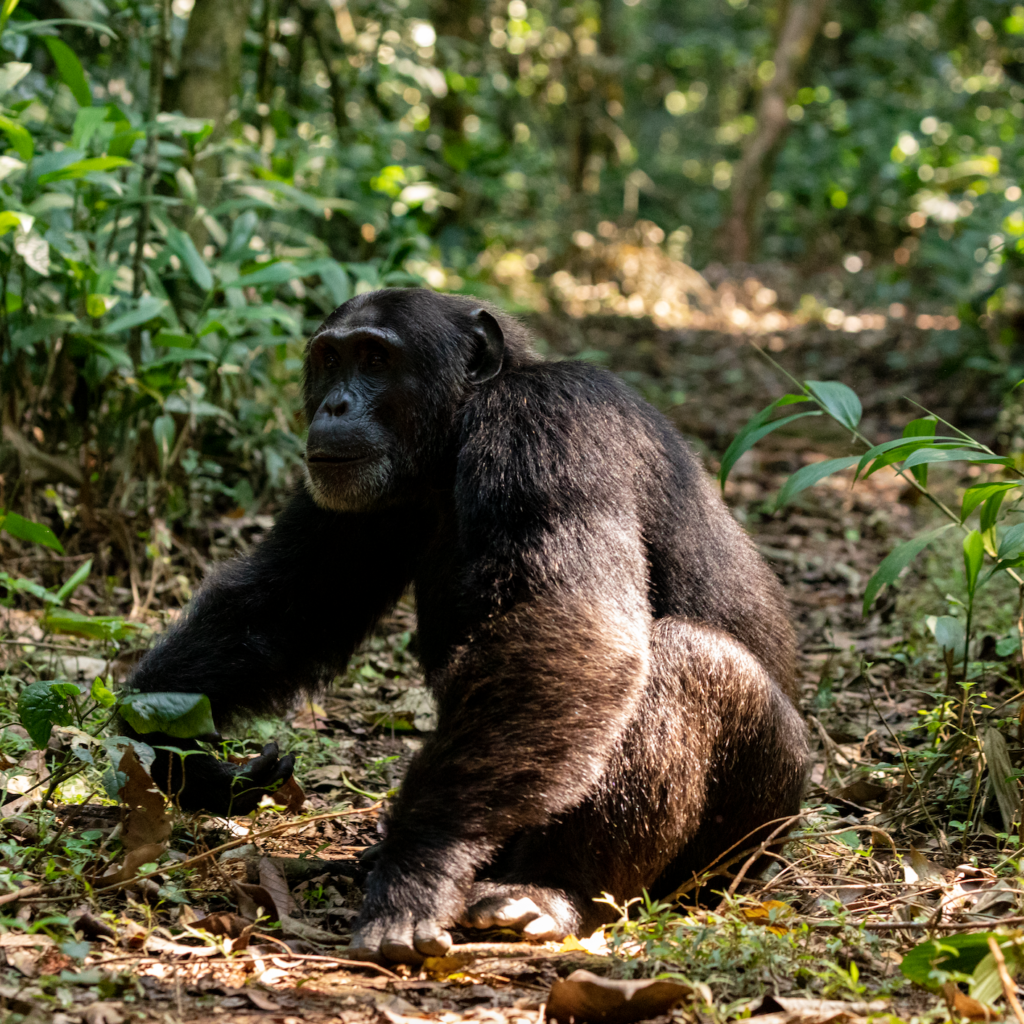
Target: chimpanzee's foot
532	910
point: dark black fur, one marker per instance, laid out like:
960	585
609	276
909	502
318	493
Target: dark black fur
611	658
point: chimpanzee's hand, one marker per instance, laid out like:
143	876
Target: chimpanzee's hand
200	782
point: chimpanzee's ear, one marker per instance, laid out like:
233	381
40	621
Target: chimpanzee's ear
486	361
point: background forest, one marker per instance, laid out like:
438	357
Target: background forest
188	188
721	200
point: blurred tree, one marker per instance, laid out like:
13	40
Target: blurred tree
799	21
211	59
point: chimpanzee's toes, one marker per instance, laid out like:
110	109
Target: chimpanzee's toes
365	943
501	912
398	944
431	939
535	911
544	928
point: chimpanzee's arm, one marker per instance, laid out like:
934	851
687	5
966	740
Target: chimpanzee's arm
533	708
270	625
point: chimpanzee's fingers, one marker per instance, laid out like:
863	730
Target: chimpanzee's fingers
285	768
260	768
431	939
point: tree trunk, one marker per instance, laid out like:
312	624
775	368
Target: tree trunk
800	24
211	58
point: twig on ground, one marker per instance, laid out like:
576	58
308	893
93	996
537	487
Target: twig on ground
192	862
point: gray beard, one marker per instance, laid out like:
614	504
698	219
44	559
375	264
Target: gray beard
367	489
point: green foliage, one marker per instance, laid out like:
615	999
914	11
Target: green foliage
182	715
43	705
25	529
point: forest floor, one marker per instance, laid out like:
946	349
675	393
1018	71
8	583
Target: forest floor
881	862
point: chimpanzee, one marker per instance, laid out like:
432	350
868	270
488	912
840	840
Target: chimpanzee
611	659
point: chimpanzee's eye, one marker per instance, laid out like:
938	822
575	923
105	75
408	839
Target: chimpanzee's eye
375	357
330	359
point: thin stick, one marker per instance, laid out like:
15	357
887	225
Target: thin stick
230	845
1009	988
20	894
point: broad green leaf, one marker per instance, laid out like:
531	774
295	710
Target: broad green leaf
80	575
949	633
275	273
924	426
896	561
810	475
332	275
20	585
181	715
899	444
990	513
840	402
19	137
929	455
99	305
11	219
756	428
974	558
6	11
184	248
87	122
960	953
1012	542
115	746
96	627
986	985
148	308
43	705
80	168
163	434
975	495
11	74
174	339
34	533
101	694
70	69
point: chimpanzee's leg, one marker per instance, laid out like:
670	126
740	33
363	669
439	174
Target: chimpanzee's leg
714	754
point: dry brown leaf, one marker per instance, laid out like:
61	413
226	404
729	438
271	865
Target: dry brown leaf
103	1013
261	1000
440	967
274	883
585	997
29	777
145	819
290	795
1001	777
10	939
254	900
235	928
967	1007
224	923
25	961
130	867
312	716
296	929
918	868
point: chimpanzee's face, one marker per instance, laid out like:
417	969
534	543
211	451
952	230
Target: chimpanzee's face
360	376
385	377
